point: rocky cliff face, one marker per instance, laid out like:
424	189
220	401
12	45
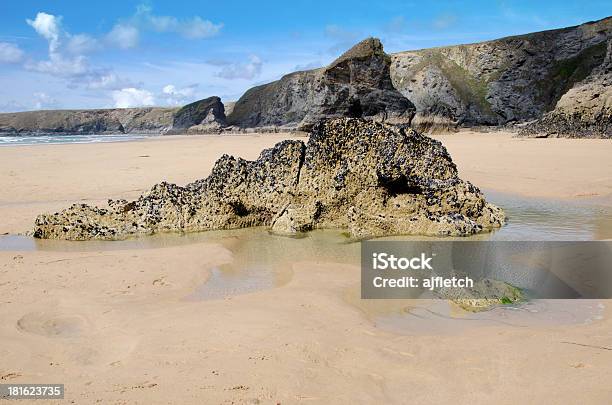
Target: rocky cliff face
558	77
371	178
208	112
502	81
584	111
357	84
128	120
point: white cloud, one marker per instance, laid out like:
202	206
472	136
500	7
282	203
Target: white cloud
78	73
81	43
58	65
247	71
173	96
199	28
159	23
44	101
124	36
133	97
191	28
10	53
48	26
169	89
107	80
82	78
74	68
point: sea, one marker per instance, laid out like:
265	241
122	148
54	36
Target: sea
12	140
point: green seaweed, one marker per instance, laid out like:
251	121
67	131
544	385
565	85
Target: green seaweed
515	295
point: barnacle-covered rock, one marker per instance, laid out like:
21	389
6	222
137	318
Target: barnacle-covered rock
371	178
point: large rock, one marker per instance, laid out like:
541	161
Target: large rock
357	84
497	82
207	114
369	177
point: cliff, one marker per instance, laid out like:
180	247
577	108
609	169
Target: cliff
584	111
503	81
115	121
558	77
357	84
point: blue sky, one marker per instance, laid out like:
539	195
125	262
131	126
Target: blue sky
62	54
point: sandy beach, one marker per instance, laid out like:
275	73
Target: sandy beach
122	325
555	168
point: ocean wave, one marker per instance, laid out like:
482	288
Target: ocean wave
11	140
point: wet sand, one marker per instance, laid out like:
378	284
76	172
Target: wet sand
138	325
